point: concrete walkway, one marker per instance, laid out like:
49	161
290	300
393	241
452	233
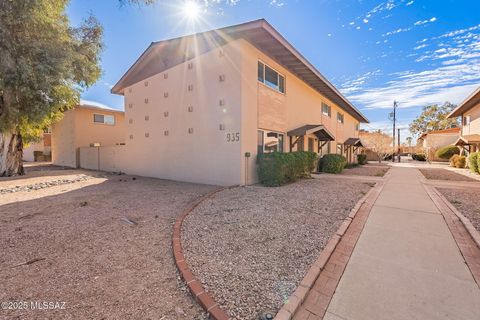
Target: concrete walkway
406	263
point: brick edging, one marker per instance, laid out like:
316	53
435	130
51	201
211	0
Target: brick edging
465	221
293	303
464	233
201	296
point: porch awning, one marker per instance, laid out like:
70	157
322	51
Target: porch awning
468	140
318	130
353	142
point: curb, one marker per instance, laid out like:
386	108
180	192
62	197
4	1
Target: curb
463	232
293	303
466	223
195	286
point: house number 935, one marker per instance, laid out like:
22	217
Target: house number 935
233	137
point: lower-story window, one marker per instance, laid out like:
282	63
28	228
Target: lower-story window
269	141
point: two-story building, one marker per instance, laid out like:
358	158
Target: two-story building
200	108
469	111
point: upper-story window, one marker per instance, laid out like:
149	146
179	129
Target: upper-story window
466	120
357	126
104	119
326	110
340	117
270	77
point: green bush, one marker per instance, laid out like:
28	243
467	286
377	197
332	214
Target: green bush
419	157
478	162
461	162
362	158
447	152
473	161
333	163
276	169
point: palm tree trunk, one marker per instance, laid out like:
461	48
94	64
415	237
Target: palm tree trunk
11	154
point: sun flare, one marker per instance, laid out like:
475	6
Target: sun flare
191	10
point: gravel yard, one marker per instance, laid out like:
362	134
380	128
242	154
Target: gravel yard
251	246
101	244
466	201
366	170
443	174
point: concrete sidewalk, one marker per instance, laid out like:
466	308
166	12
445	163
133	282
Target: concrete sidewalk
406	263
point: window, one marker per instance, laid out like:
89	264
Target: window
326	110
269	141
325	149
271	77
104	119
466	120
339	148
357	126
340	117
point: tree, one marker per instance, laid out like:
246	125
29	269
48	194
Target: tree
433	117
378	142
44	65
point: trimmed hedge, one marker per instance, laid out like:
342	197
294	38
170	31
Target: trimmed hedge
362	159
447	152
419	157
333	163
276	169
473	161
458	161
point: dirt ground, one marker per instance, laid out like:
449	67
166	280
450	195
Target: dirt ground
367	170
101	245
251	246
443	174
466	201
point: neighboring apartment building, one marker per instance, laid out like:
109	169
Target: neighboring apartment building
40	150
431	141
200	108
84	126
469	111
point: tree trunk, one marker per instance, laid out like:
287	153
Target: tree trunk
11	154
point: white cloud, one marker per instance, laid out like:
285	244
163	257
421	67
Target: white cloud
422	22
420	47
409	3
365	20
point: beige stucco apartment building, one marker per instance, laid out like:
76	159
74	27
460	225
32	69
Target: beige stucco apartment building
200	108
431	141
84	126
469	111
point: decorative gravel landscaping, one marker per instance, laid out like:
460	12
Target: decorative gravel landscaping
466	201
251	246
366	170
444	174
102	245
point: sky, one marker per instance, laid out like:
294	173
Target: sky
417	52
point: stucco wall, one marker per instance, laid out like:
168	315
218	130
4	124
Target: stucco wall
160	144
77	130
435	141
63	141
108	158
474	126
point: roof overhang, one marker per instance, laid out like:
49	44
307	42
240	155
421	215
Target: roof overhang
160	56
356	142
466	105
468	140
319	131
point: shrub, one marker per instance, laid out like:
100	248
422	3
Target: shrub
453	160
461	162
333	163
362	159
276	169
473	162
478	162
447	152
420	157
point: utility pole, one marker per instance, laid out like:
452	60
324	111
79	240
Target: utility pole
394	120
398	144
